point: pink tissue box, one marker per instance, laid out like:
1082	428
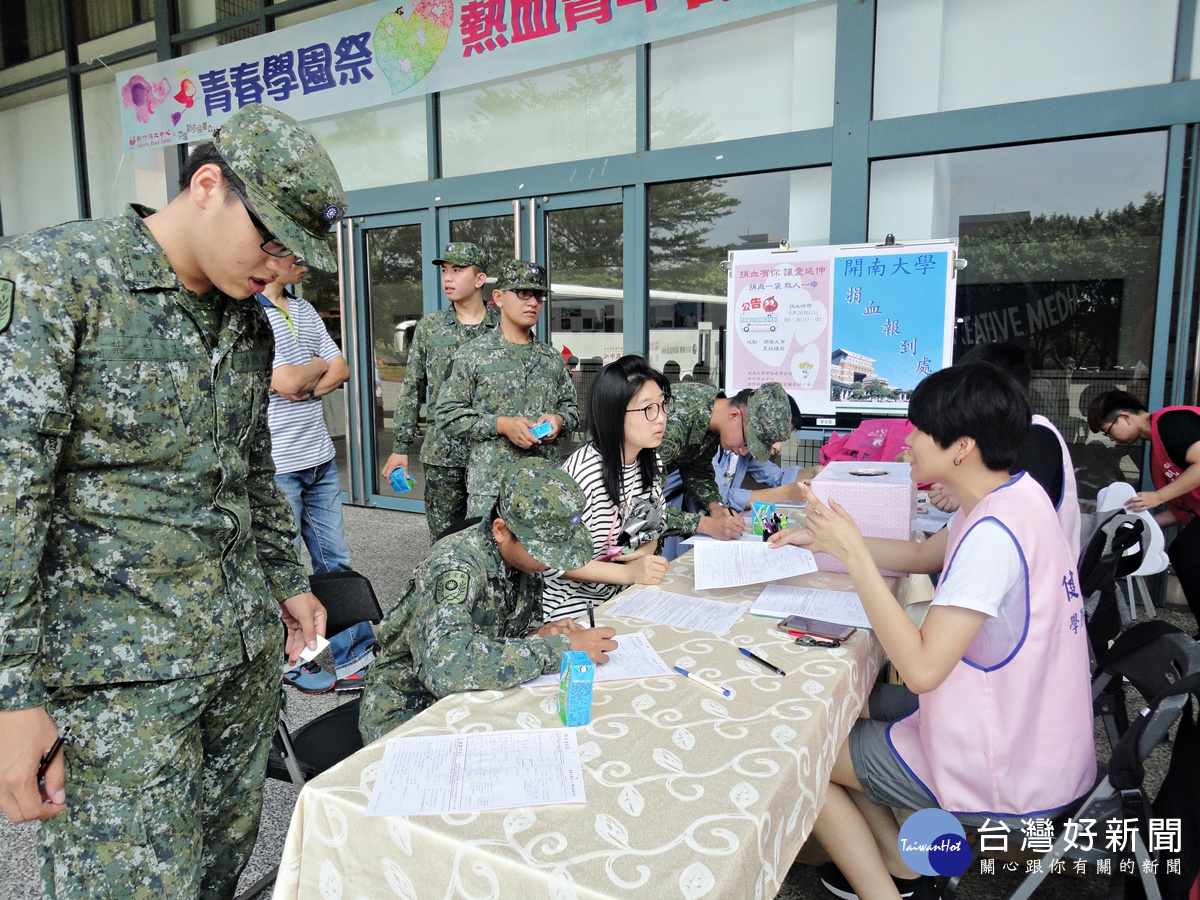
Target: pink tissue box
881	503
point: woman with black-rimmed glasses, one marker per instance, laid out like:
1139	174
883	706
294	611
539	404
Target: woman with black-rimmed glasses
620	473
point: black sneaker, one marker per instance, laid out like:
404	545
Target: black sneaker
923	887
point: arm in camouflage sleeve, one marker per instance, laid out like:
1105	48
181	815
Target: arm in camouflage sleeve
413	390
698	479
568	401
456	413
451	654
37	357
680	523
272	520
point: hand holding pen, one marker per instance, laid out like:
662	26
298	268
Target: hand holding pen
32	776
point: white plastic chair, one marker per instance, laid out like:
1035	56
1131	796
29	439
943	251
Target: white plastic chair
1155	559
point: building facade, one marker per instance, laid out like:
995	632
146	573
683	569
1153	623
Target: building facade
1054	140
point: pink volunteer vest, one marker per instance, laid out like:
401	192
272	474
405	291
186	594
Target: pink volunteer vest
1163	469
1009	732
1068	507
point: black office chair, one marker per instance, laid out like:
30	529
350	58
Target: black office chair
326	740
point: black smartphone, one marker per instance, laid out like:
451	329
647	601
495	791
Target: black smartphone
803	625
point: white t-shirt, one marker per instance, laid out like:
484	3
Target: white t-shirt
606	522
987	574
299	438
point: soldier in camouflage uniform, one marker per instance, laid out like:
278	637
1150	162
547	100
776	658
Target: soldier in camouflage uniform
470	619
700	420
504	383
148	553
434	341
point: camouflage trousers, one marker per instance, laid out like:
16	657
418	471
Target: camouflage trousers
164	784
445	498
384	708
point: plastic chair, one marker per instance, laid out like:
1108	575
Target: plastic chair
1163	665
297	756
1155	557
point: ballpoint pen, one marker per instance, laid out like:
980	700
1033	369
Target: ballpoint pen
758	659
706	683
44	765
591	614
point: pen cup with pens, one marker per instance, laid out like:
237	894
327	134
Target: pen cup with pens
400	481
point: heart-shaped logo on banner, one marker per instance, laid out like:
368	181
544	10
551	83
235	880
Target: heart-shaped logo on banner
805	366
767	321
406	49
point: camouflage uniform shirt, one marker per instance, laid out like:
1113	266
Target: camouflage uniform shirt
434	341
460	626
689	446
142	535
493	377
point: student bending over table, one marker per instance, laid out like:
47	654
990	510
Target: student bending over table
470	617
977	731
621	477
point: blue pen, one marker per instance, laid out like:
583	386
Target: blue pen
707	684
758	659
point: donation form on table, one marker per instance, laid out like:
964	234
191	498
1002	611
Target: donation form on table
431	775
840	607
722	564
633	658
680	610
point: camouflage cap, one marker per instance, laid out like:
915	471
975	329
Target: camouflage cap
290	179
543	506
518	275
460	253
770	419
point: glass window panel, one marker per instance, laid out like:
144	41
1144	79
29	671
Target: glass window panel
585	255
29	29
782	80
1062	242
574	111
377	147
933	55
316	12
394	298
116	178
693	226
37	179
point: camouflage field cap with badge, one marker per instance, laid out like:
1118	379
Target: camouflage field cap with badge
519	275
290	180
769	419
461	253
543	507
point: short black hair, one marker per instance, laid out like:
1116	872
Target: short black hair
975	400
1107	406
203	155
1006	356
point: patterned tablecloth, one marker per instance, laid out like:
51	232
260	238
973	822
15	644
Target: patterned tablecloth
689	793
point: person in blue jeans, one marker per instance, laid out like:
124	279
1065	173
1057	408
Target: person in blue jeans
307	366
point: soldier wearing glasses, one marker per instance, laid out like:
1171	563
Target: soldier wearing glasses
503	384
148	554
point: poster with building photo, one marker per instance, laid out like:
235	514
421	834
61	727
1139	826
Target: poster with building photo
842	327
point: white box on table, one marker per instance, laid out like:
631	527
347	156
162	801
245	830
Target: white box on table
879	496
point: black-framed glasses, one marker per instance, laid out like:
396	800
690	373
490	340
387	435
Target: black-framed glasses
1106	430
651	412
270	245
524	294
745	437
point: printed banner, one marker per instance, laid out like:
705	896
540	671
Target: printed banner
383	52
842	327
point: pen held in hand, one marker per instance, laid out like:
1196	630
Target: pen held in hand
762	662
591	614
708	684
53	752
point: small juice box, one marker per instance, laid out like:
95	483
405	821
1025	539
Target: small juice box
540	430
400	481
759	513
575	688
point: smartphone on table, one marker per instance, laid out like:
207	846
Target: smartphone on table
798	625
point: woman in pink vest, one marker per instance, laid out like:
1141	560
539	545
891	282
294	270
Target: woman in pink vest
995	720
1174	436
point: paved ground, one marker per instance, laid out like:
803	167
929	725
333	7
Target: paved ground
386	546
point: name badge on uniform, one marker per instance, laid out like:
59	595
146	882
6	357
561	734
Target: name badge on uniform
8	290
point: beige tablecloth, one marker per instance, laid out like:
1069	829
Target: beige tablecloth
689	793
